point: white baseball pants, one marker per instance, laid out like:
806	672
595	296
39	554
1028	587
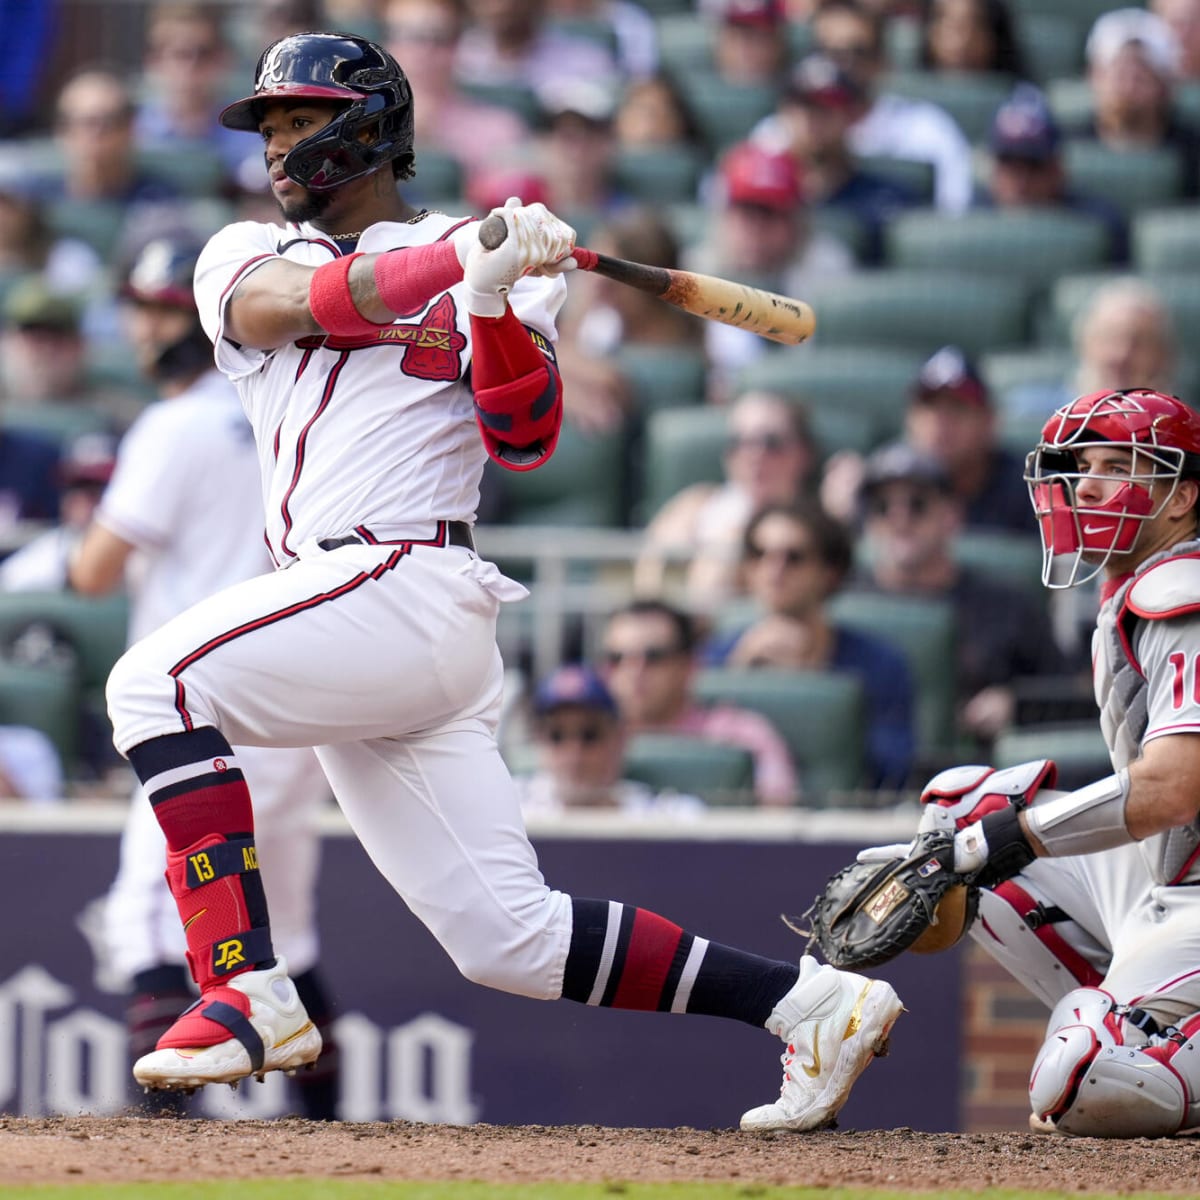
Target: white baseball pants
384	658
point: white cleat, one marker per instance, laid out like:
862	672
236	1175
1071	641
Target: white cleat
253	1024
834	1023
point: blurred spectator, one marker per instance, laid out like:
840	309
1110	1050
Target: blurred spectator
652	111
815	114
1132	61
43	355
94	123
580	741
423	36
970	35
751	42
185	66
1124	338
1183	19
761	234
30	766
577	152
628	26
511	42
893	126
1027	168
28	245
794	558
601	317
951	418
769	458
83	471
29	44
649	654
911	520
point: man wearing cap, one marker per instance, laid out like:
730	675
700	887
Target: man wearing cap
911	518
751	44
580	742
1132	66
816	111
1027	167
761	235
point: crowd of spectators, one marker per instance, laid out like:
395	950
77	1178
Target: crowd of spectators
782	143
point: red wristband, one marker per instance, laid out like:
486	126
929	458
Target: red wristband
408	279
330	302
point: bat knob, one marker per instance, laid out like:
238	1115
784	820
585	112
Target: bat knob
492	233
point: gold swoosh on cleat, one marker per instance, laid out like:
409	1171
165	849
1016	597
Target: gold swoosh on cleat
855	1022
815	1070
292	1036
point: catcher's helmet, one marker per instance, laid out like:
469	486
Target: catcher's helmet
335	66
1161	432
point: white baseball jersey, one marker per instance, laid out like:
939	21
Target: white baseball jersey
186	492
380	653
376	431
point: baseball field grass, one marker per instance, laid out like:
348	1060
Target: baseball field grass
345	1189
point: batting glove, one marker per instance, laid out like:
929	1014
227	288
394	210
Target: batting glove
537	242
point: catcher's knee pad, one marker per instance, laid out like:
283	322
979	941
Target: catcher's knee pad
1012	926
1089	1083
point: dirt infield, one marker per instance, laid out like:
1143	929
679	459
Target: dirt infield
78	1149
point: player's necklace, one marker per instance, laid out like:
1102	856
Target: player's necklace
353	237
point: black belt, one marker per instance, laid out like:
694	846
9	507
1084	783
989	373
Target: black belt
458	533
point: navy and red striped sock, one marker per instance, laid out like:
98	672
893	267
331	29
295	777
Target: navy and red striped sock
627	957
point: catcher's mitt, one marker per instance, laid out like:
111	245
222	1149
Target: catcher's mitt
870	912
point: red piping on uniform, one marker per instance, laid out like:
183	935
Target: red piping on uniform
299	371
262	622
1022	903
238	275
326	396
438	540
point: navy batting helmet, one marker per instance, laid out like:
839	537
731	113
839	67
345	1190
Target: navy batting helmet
335	66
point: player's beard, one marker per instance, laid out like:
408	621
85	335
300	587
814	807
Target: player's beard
307	207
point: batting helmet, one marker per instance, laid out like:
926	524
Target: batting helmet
1163	436
160	275
335	66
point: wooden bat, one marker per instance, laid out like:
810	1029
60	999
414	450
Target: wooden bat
765	313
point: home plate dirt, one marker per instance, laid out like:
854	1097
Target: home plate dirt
111	1149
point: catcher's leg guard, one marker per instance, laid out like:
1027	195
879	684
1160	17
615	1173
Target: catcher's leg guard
1087	1081
1035	941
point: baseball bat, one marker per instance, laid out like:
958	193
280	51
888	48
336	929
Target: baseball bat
769	315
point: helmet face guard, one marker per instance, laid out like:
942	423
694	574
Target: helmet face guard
1079	539
342	67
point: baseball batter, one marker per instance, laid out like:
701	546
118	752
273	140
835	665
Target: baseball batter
382	354
180	519
1091	896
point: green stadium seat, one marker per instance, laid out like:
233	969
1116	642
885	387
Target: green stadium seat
61	422
920	311
518	97
660	175
1051	44
45	698
718	773
924	631
685	41
1070	100
1133	179
845	225
1166	239
820	715
918	177
1180	291
1077	747
96	222
680	446
96	627
1084	12
971	98
725	112
439	176
1006	370
688	222
194	170
1012	558
868	385
1035	246
582	484
663	376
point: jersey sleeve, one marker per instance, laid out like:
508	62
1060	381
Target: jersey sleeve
229	257
1169	653
536	300
150	483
